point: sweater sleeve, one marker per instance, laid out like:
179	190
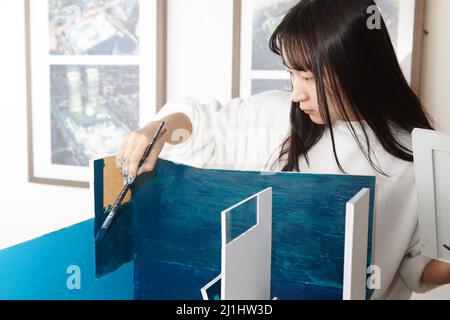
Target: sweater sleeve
413	265
238	134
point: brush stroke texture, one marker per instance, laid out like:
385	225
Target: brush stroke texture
116	248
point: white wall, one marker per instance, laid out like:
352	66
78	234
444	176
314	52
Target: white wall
199	65
200	34
27	210
435	88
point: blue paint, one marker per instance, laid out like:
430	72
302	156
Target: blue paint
215	290
177	224
187	282
37	269
301	291
98	183
165	243
163	280
116	248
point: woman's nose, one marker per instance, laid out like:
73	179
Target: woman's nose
299	96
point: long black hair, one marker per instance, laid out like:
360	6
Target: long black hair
331	38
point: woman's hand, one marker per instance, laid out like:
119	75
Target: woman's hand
133	147
134	144
436	273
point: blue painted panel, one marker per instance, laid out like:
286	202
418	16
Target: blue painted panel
169	281
37	269
116	248
177	223
172	230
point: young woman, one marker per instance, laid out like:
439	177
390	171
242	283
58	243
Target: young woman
350	111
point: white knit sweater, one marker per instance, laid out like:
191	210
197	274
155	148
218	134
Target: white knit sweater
245	134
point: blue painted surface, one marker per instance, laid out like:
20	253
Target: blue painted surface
168	281
187	282
214	291
37	269
116	248
171	234
302	291
177	224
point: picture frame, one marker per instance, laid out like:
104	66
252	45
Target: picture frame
95	71
256	69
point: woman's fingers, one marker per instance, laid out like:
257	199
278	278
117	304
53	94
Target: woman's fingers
135	158
131	145
121	152
132	149
150	162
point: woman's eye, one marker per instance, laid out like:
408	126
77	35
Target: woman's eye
303	78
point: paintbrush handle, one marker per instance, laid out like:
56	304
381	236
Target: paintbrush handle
150	145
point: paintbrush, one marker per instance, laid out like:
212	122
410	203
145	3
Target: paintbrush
105	226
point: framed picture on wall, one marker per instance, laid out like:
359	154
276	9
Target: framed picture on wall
257	69
95	71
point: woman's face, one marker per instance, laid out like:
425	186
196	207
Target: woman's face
305	93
